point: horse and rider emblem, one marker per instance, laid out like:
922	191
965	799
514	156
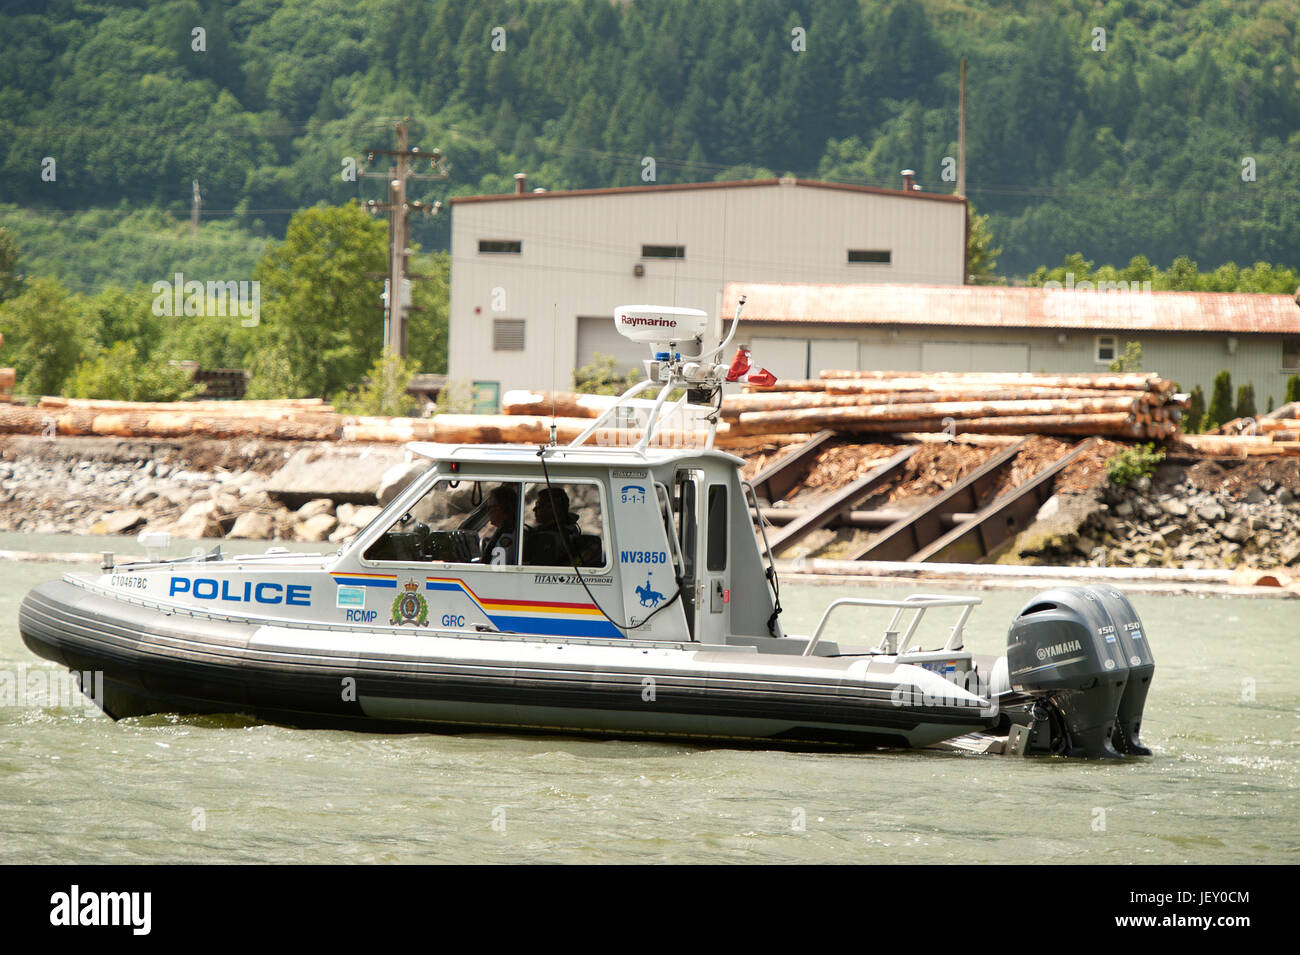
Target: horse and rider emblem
410	607
649	598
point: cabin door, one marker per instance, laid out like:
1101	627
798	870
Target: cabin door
689	493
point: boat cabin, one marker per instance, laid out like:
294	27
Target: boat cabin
580	542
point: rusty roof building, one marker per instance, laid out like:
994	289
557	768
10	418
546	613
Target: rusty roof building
799	330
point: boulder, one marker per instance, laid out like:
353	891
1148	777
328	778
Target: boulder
253	525
362	516
396	478
120	522
195	527
322	505
143	495
200	509
1235	532
1211	511
316	528
339	472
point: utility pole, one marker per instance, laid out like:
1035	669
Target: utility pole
396	280
195	203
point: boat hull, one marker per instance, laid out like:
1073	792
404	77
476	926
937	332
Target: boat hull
153	661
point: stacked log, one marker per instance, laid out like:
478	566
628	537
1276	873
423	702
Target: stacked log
562	404
7	379
173	423
281	408
1142	407
1273	444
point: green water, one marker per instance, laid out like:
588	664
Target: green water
77	787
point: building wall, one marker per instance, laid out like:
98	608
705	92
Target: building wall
578	254
1189	359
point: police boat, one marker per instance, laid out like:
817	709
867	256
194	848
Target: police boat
616	585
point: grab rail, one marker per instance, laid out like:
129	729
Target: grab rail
918	603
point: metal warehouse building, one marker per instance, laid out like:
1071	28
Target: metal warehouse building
535	276
798	330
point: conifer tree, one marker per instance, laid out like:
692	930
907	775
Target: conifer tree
1221	406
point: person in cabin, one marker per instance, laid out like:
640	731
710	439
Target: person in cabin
503	511
553	542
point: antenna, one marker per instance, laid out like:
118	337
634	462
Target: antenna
555	328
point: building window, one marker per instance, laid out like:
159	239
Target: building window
1105	349
663	251
1291	354
870	256
507	334
501	246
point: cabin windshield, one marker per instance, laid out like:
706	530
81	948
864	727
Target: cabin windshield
479	521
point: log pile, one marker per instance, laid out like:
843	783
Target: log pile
1133	406
1271	444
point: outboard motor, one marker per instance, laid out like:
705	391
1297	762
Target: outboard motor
1134	644
1081	654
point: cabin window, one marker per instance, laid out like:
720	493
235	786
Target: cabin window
458	522
663	251
870	256
687	523
717	550
501	246
1291	354
507	334
563	526
1106	349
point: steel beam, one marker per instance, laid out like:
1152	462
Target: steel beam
842	500
1000	520
775	481
904	538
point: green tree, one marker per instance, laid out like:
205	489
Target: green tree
1292	390
1221	406
121	373
10	280
1245	402
426	333
981	256
385	391
1131	360
319	308
43	336
1192	424
602	377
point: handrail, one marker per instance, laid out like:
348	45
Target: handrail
652	426
654	417
762	531
919	603
636	389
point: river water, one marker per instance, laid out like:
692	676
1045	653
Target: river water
76	787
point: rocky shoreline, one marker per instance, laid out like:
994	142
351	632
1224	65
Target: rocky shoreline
1209	514
195	489
1213	514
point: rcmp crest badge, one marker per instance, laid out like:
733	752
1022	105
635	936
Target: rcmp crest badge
410	606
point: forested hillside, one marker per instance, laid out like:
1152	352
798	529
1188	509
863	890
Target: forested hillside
1135	149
